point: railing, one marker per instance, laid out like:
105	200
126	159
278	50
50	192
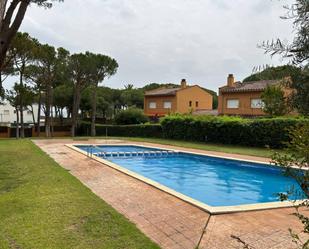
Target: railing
123	154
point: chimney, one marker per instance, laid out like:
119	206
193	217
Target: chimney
230	80
183	83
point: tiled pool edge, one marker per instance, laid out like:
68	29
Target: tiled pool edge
203	206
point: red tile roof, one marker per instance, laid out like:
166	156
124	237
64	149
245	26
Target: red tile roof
163	91
251	86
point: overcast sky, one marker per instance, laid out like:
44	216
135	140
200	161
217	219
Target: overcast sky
165	40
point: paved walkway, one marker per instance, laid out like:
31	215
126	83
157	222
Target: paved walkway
167	220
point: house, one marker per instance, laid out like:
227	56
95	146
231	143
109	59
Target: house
8	114
183	99
236	98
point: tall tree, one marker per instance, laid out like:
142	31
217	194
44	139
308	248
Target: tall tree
21	53
104	67
81	73
13	97
49	71
19	97
11	17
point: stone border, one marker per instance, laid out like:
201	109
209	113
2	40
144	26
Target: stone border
201	205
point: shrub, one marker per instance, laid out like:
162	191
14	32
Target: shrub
263	132
143	130
131	116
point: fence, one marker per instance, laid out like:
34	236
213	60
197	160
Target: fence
56	131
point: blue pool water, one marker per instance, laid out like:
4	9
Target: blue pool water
213	181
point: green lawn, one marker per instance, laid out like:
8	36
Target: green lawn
251	151
43	206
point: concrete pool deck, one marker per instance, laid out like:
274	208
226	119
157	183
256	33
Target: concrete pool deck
167	220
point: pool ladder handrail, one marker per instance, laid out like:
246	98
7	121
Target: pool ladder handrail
126	154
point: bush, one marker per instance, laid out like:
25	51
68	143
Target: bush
263	132
131	116
230	130
143	130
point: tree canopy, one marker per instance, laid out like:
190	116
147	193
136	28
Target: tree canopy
11	17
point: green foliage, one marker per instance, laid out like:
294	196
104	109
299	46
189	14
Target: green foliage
20	96
300	82
274	101
298	49
295	158
230	130
132	97
130	116
63	96
142	130
274	73
153	86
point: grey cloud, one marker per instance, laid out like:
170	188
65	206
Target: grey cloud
165	40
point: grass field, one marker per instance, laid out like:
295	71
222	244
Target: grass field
242	150
43	206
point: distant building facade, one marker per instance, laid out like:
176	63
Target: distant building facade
8	114
244	99
183	99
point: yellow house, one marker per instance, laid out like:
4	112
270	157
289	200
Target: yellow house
183	99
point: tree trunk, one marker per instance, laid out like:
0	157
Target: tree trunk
52	110
52	121
33	118
38	126
17	123
94	110
76	103
61	116
2	11
21	104
48	110
9	28
1	87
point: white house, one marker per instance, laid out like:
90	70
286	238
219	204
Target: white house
8	114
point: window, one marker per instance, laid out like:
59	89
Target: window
190	103
167	104
6	112
196	103
256	103
152	105
232	103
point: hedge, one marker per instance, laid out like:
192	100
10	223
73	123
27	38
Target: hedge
272	132
143	130
262	132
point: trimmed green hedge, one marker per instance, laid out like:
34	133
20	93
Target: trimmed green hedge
143	130
272	132
262	132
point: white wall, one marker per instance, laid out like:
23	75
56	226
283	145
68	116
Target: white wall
8	115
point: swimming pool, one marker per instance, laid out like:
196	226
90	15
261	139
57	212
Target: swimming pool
214	181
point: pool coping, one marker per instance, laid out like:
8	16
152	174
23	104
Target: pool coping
201	205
